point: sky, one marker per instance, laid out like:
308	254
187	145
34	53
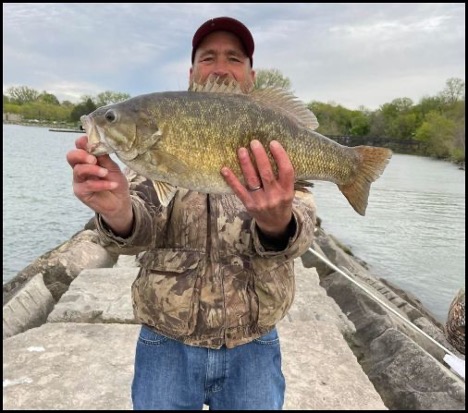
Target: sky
354	54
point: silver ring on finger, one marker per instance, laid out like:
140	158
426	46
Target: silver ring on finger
256	188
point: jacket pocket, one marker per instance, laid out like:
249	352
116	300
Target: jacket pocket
274	286
166	292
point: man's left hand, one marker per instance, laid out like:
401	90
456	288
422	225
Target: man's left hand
267	197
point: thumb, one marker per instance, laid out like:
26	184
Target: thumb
107	162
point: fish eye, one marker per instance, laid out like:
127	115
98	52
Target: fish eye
110	116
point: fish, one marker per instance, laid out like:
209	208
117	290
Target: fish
184	138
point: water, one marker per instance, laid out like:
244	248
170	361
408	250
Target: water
39	208
413	233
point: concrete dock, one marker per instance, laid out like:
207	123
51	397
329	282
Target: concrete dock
82	357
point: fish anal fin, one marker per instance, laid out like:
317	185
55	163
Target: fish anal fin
373	162
164	191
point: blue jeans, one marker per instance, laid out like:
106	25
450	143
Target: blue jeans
171	375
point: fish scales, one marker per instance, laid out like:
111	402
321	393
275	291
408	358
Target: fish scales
191	135
183	139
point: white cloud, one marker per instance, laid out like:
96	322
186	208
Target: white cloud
352	54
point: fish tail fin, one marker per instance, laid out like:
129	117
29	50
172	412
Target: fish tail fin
373	162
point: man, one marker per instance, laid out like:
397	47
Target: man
217	272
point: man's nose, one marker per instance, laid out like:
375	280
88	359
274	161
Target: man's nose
220	69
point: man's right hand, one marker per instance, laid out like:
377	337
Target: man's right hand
99	183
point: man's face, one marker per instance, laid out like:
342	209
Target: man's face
221	54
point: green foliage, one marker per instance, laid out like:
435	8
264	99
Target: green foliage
68	104
31	104
85	98
360	124
437	132
271	78
11	108
45	111
430	103
48	98
438	122
81	109
22	94
399	118
454	91
337	120
108	97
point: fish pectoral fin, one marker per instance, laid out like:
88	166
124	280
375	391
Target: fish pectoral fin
164	191
168	162
303	186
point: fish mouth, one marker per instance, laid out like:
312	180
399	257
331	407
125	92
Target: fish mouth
96	140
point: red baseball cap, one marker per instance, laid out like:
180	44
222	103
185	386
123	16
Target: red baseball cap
227	24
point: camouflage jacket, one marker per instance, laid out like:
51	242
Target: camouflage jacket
205	277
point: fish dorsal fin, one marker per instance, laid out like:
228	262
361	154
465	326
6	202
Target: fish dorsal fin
216	84
287	103
164	191
276	98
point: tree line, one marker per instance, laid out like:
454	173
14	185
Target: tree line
436	122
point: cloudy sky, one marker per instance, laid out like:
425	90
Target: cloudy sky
349	54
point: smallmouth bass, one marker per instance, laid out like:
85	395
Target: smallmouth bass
183	139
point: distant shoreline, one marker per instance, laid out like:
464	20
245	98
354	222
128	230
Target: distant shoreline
461	165
42	124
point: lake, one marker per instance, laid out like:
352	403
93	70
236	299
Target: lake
413	233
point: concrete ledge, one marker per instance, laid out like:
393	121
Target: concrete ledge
68	366
61	265
311	302
97	296
86	364
28	308
321	371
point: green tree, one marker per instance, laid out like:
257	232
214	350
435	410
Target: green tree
438	134
67	104
429	104
12	108
45	111
48	98
271	78
360	124
336	120
454	91
327	118
108	97
81	109
22	94
377	124
400	121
